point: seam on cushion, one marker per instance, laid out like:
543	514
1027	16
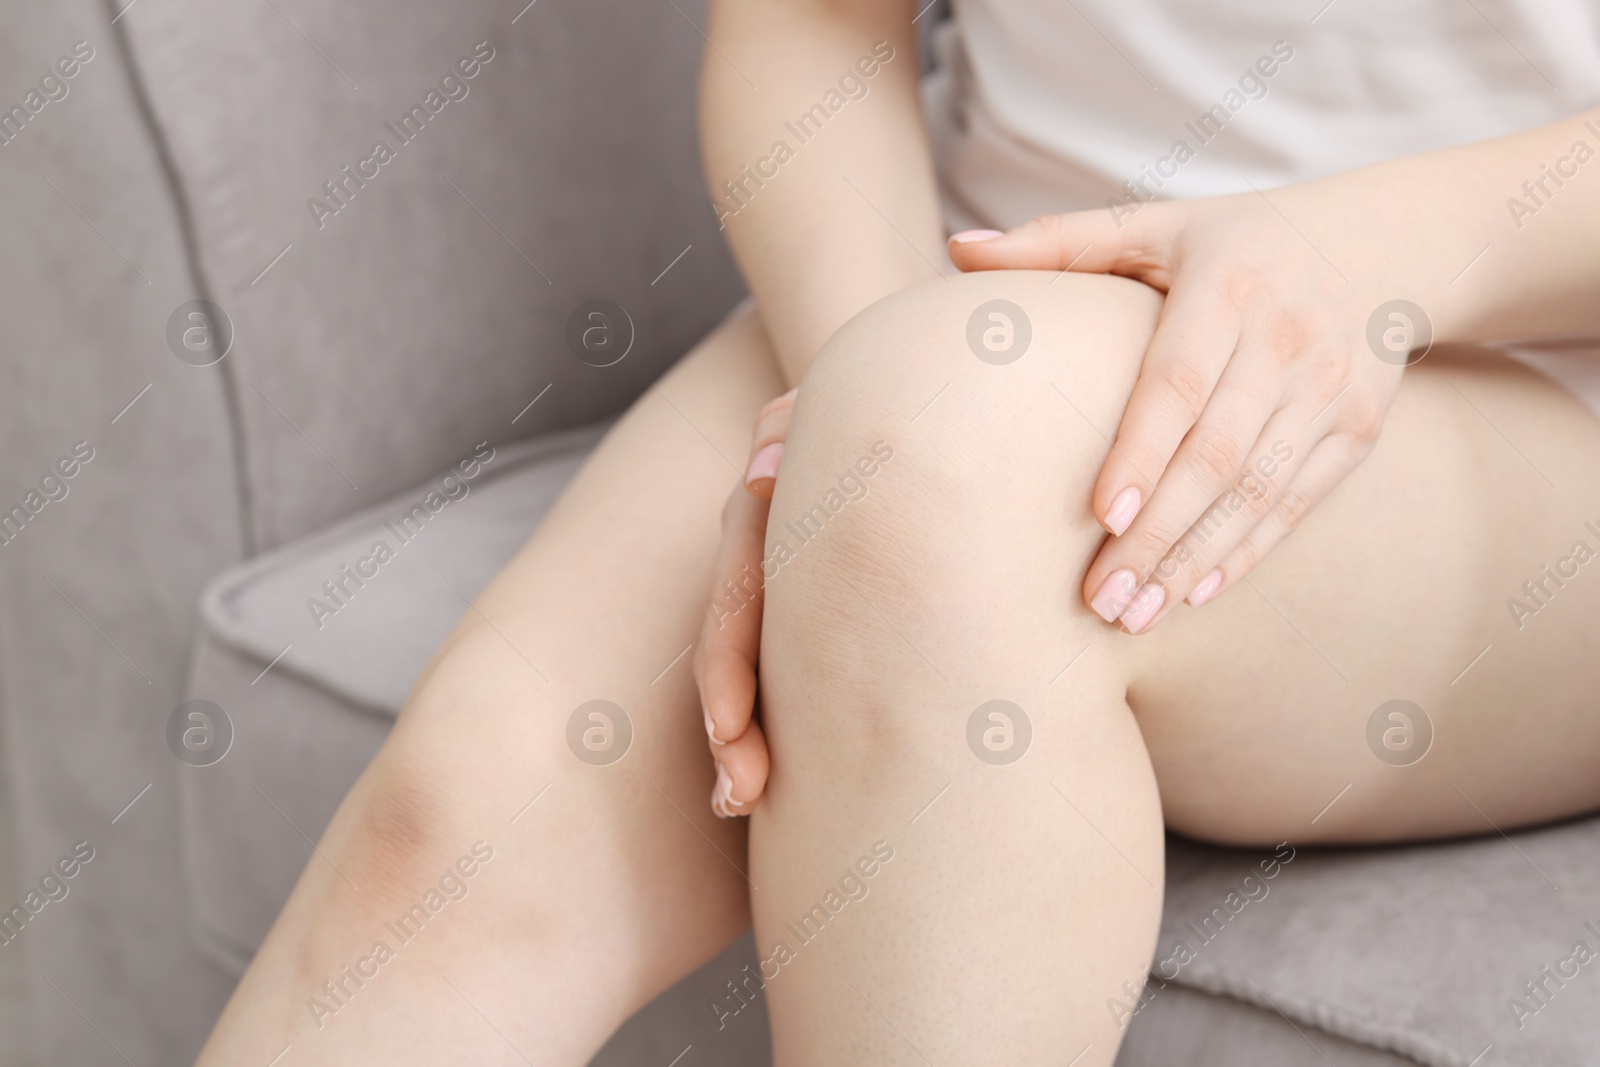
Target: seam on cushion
310	679
1335	1022
190	242
220	623
221	949
1255	1004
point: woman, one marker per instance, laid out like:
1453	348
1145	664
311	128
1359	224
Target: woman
957	852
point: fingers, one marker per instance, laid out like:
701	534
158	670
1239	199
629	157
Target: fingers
1288	473
1330	461
1137	578
741	774
1223	521
1188	355
730	634
766	445
1094	241
1225	459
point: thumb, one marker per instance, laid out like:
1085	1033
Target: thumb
1123	240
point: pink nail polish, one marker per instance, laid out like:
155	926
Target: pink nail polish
1143	609
711	728
765	463
1124	509
1115	592
1206	589
966	237
722	795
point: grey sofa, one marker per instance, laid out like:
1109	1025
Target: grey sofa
373	342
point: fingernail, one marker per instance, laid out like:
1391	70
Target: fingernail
722	795
966	237
1124	506
1112	599
711	728
1206	589
1146	603
765	463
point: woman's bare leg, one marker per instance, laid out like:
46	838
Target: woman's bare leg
616	880
1021	896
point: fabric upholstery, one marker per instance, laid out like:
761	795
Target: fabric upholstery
99	590
1199	1030
1421	950
429	311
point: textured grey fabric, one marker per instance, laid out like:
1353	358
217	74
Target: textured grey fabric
1192	1029
432	308
17	1048
98	592
1422	950
368	639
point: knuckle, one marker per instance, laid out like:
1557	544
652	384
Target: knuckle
1218	455
1053	226
1244	557
1355	447
1241	287
1288	337
1257	496
1151	539
1183	561
1363	420
1186	385
775	407
1292	508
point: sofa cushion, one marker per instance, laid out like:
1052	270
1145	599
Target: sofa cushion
1418	950
1358	956
366	639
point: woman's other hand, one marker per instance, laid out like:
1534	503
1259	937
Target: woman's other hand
1258	394
730	637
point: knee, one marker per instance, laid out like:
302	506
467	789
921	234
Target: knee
960	415
409	816
942	455
996	356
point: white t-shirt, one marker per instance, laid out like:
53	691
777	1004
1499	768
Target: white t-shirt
1052	105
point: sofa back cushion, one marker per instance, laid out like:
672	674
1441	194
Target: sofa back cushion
401	207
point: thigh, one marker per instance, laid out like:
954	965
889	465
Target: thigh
1447	572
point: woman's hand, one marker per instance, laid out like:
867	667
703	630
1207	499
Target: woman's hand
730	638
1258	393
